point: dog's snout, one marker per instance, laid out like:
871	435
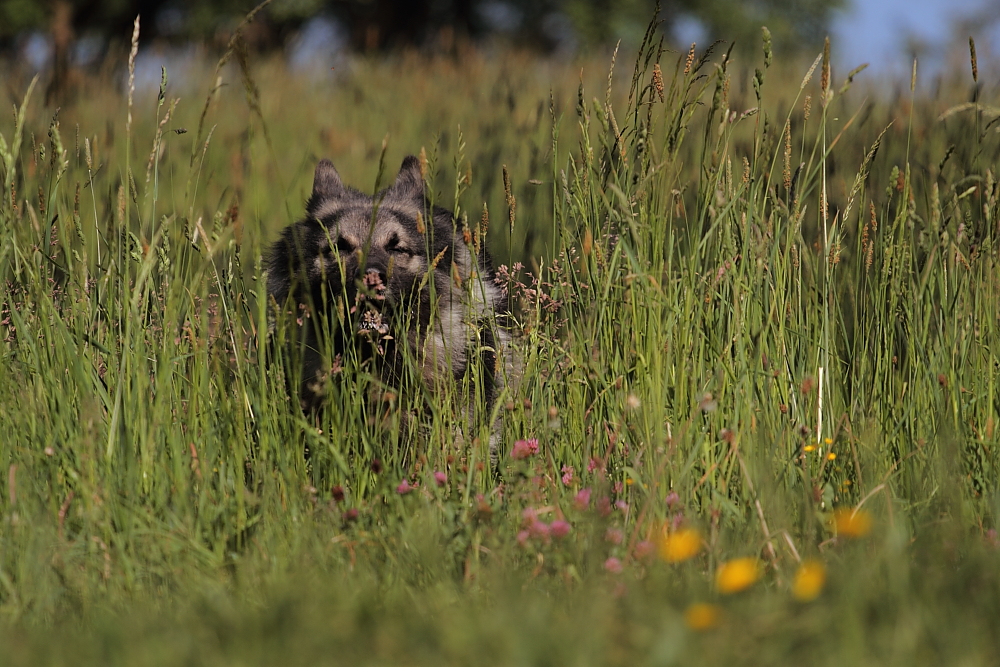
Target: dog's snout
374	278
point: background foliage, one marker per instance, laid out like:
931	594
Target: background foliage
397	23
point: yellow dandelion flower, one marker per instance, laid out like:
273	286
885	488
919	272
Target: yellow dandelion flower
831	456
738	574
828	441
809	448
680	545
629	481
702	616
809	580
852	523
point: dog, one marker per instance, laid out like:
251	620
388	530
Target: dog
398	280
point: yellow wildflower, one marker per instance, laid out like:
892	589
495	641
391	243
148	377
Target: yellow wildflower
852	523
702	616
831	456
738	574
680	545
809	580
809	448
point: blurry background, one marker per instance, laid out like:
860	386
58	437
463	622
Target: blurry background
471	81
60	35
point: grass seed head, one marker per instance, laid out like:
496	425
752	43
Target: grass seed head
787	171
824	82
690	59
972	58
658	81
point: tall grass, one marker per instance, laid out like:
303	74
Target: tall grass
736	311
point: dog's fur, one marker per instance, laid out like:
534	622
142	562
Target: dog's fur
382	272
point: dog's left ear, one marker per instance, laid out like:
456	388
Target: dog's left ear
409	182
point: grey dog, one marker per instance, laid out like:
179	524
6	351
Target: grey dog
394	275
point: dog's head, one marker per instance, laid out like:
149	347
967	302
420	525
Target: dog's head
377	255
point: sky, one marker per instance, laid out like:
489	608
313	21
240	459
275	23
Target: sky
882	32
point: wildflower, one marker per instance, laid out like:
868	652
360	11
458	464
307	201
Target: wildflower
680	545
633	402
539	530
522	537
560	529
338	493
592	465
613	565
524	449
440	478
350	515
604	506
809	580
644	550
672	499
617	488
831	456
483	509
376	466
702	616
567	475
581	500
828	441
614	535
404	488
809	448
852	523
621	505
736	575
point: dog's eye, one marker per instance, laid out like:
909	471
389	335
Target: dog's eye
394	247
344	246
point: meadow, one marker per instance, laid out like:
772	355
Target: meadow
755	421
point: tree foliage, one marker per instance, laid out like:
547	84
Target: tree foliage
388	24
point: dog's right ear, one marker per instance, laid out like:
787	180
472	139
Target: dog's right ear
326	182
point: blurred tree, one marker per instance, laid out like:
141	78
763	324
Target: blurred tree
794	24
381	24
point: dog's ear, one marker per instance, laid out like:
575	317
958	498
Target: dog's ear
326	182
409	182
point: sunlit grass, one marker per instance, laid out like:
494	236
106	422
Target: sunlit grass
755	413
